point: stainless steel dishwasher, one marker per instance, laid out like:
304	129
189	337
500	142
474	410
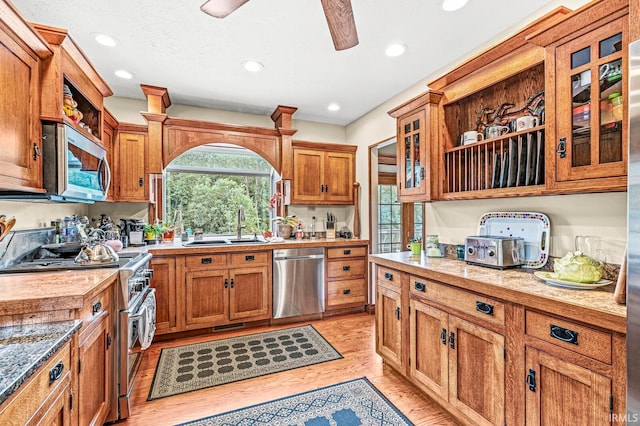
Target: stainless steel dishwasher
298	281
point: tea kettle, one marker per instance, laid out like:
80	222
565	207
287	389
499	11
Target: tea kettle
94	250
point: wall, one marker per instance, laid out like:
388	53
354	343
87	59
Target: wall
30	214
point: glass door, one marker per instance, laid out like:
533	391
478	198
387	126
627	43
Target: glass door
412	154
591	78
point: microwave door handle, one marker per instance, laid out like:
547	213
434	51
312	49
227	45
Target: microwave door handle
108	171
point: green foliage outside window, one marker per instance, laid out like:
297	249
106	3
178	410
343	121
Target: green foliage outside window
210	201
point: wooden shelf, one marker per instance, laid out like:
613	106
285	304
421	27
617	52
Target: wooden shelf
493	140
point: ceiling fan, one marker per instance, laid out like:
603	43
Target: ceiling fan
338	13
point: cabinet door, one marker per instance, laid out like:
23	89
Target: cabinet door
207	297
249	293
20	167
59	412
591	118
308	175
164	281
561	393
476	372
94	372
131	175
389	326
338	177
429	347
412	154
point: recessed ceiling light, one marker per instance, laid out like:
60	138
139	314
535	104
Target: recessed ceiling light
396	49
333	107
253	66
451	5
105	40
124	74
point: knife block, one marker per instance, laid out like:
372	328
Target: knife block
331	231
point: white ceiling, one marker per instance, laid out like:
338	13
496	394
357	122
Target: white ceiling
197	57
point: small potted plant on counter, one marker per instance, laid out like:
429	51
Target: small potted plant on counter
152	232
285	225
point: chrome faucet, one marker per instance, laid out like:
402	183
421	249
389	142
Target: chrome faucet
240	220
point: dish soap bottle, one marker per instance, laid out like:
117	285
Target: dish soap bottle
299	231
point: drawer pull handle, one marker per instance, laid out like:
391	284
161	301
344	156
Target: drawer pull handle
531	380
443	336
205	260
249	258
56	372
420	286
564	334
346	252
388	276
398	313
347	291
97	307
346	268
452	340
485	308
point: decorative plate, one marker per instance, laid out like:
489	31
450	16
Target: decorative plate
533	227
551	279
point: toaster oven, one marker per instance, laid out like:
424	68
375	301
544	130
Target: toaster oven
494	251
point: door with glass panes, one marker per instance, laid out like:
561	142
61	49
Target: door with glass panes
591	91
412	154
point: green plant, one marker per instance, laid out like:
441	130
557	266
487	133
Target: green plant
154	229
289	220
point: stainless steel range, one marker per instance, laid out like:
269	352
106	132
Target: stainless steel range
136	324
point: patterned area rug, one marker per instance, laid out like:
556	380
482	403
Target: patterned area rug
356	402
202	365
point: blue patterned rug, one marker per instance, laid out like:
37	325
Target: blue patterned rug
356	402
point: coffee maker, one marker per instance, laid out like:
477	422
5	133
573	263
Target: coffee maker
133	230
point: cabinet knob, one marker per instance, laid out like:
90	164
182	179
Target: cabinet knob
420	286
443	336
97	307
347	291
531	380
346	268
346	252
452	340
562	148
388	276
140	182
36	152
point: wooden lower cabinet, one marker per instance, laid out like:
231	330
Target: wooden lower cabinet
94	372
59	412
206	297
459	361
346	277
389	328
249	293
562	393
164	281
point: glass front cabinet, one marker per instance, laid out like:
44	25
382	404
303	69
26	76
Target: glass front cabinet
417	148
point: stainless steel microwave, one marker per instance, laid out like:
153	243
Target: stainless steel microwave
74	167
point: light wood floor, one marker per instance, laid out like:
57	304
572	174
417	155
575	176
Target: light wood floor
351	335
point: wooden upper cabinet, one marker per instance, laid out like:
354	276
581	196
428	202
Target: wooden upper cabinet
21	50
130	172
417	147
323	176
587	72
68	69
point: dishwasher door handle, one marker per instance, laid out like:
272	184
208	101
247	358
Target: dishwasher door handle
298	257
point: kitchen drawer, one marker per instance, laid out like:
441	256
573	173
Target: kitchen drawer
578	338
342	252
37	389
249	258
464	301
92	310
389	276
205	261
346	292
345	268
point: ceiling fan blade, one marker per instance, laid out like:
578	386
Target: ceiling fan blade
221	8
341	23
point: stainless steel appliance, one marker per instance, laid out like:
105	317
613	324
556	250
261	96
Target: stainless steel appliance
298	282
132	229
74	167
494	251
633	239
136	324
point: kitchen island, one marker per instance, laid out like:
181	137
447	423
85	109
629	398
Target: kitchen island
495	346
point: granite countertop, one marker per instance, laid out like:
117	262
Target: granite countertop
51	291
175	247
519	286
24	348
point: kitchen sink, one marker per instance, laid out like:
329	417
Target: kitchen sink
227	241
